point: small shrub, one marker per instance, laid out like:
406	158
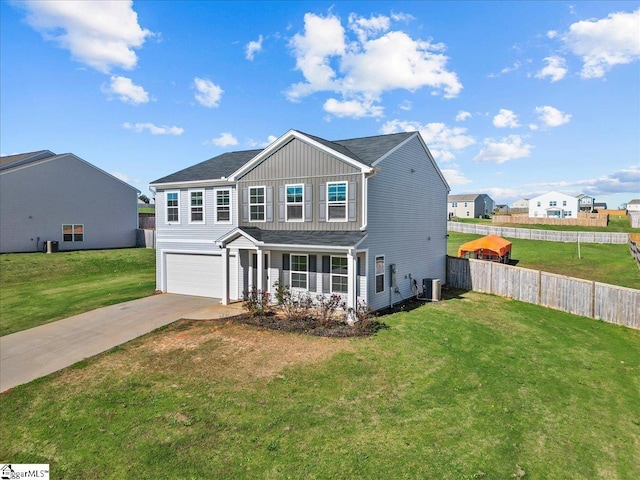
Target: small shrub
257	302
327	306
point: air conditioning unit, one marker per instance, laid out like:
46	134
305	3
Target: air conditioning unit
431	289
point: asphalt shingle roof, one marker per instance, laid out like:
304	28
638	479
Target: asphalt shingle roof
12	161
463	198
365	150
299	237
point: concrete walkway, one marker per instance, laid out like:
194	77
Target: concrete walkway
39	351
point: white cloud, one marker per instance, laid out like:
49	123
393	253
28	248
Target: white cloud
406	105
462	116
555	69
552	117
442	140
126	91
124	177
352	108
361	69
454	176
251	143
621	181
153	129
225	139
101	34
503	150
604	43
253	47
209	93
506	118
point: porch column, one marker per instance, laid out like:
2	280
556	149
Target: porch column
225	276
259	282
351	279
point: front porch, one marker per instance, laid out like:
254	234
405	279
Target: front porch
328	263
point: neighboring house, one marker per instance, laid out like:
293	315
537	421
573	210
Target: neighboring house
475	205
585	203
363	218
522	204
553	205
63	198
633	205
600	206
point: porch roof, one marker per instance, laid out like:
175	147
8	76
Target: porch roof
295	238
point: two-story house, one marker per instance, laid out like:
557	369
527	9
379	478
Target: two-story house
363	218
553	205
473	205
585	203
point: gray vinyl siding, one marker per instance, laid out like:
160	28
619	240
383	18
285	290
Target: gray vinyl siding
36	200
185	237
299	163
407	215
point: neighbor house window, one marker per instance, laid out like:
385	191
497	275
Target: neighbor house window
299	271
564	203
72	233
173	207
538	203
454	204
379	274
196	206
337	201
567	213
223	206
339	278
552	203
295	195
256	204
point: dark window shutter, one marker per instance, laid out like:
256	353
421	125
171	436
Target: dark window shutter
313	263
245	204
285	261
269	205
313	268
308	203
322	209
281	204
284	272
326	274
353	202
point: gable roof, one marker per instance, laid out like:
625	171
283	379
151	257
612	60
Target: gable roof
216	168
13	161
635	201
469	197
360	152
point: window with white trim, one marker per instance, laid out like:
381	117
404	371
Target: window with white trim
257	201
337	201
295	203
223	206
299	276
380	274
196	206
72	233
339	275
173	207
553	203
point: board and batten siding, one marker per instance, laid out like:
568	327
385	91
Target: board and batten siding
407	223
36	200
300	163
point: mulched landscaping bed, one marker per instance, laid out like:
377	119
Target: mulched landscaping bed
311	326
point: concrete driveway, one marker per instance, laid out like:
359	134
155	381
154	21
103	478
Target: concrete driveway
39	351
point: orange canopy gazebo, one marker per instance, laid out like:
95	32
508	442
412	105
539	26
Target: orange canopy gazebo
491	247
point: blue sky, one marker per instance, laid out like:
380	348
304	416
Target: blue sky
512	98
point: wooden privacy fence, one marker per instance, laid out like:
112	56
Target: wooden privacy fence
634	247
535	234
600	301
584	219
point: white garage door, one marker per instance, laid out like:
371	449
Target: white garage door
199	275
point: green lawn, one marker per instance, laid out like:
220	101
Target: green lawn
39	288
472	387
605	263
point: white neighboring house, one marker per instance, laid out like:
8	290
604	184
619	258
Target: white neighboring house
553	205
585	203
473	205
634	205
65	199
523	204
